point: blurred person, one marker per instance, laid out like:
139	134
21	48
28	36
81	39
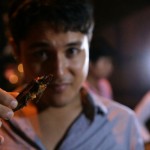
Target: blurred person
142	111
53	37
101	65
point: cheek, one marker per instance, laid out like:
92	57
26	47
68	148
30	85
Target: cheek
36	68
81	67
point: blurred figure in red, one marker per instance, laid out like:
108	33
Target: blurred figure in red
100	68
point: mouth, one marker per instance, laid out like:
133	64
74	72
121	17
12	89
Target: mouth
59	88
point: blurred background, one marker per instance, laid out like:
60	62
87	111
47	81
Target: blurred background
126	27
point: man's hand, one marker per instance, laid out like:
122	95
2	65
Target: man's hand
7	103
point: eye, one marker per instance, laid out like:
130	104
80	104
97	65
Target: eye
71	52
41	55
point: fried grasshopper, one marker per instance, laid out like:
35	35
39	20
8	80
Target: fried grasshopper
33	91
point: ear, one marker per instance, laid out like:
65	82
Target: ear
15	49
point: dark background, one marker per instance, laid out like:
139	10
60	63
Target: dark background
126	27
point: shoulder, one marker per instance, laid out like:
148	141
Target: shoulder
114	110
122	122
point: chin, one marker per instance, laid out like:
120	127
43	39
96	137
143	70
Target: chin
59	103
57	99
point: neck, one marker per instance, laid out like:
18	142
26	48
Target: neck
67	112
58	112
56	121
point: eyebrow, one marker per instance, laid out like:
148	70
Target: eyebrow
39	44
45	44
78	43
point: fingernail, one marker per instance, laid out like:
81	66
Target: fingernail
9	115
13	104
1	139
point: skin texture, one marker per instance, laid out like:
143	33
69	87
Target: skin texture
63	54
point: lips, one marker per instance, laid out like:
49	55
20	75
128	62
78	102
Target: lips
59	88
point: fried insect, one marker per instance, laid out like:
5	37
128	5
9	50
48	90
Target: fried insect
33	91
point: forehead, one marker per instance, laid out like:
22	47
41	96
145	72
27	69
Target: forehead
44	33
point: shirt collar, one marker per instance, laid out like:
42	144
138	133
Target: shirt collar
92	104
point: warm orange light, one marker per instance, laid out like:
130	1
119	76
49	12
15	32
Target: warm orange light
20	68
13	79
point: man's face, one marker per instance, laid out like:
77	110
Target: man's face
63	54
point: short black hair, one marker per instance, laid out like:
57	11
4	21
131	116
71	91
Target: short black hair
62	15
99	48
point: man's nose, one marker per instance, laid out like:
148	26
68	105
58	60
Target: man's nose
60	65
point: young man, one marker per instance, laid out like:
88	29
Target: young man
52	37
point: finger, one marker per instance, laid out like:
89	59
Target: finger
0	122
7	99
1	139
14	94
6	112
